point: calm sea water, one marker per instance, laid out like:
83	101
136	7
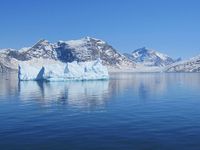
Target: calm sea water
128	112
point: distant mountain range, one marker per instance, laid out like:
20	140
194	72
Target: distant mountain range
86	49
149	57
191	65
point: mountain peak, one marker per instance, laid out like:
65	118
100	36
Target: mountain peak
144	50
88	38
150	57
91	39
42	42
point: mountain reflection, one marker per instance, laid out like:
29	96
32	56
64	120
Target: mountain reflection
91	94
146	85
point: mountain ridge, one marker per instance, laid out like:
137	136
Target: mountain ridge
149	57
191	65
88	49
85	49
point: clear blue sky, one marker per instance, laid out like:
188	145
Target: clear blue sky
171	26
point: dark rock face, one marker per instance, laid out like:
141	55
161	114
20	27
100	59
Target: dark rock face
65	53
17	55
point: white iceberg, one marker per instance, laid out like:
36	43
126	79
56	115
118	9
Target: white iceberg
53	70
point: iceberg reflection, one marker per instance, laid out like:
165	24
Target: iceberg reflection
74	93
91	94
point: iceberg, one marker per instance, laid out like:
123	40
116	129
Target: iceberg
54	70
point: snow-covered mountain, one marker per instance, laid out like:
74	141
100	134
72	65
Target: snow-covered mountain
90	49
7	62
85	49
150	58
191	65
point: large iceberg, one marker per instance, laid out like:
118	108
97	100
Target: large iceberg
53	70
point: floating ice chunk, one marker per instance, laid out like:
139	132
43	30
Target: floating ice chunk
52	70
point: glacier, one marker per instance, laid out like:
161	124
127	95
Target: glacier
54	70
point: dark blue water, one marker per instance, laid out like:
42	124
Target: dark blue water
128	112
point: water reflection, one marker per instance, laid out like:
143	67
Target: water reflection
79	94
95	93
140	108
8	85
146	85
